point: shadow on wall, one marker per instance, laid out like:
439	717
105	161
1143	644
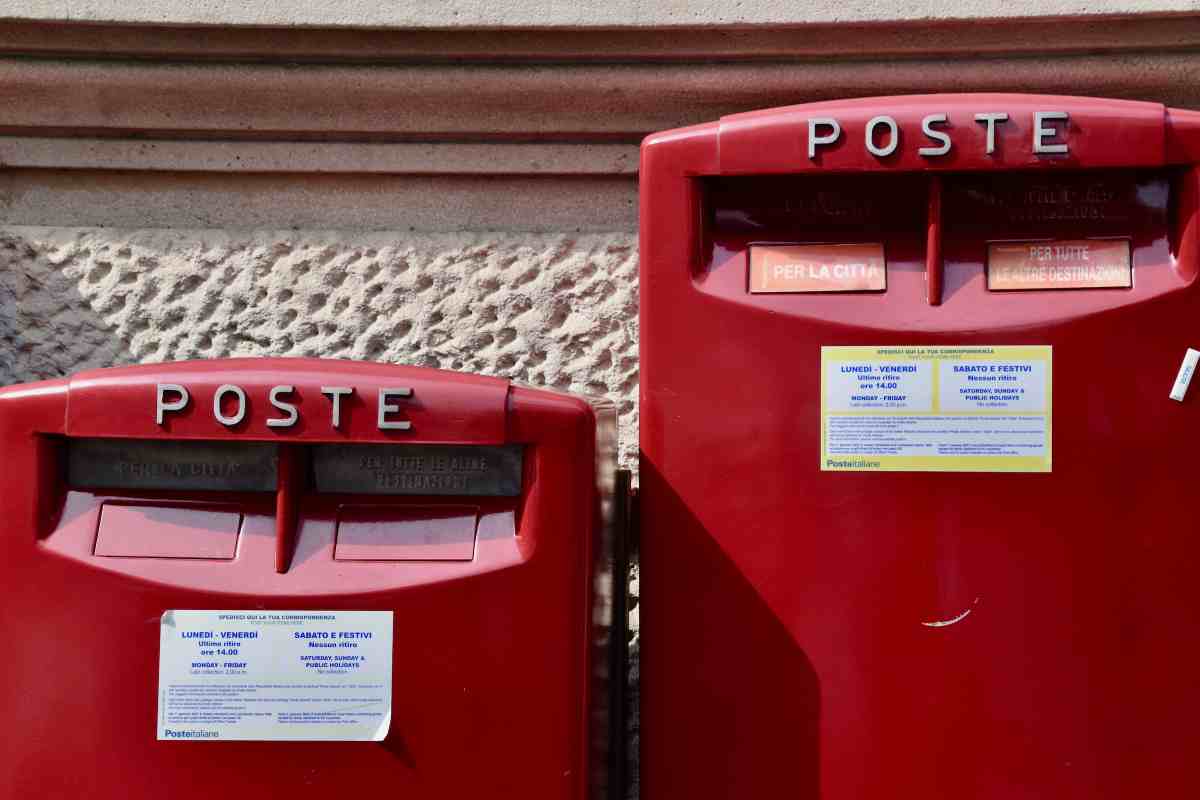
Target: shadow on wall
544	310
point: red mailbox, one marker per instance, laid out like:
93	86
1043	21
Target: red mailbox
913	519
303	578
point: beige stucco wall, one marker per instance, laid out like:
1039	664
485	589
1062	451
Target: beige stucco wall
566	13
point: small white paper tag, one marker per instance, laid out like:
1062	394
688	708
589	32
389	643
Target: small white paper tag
1186	370
275	675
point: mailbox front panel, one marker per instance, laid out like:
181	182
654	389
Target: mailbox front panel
821	628
477	525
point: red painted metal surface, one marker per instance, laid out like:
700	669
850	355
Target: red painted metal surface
869	636
493	691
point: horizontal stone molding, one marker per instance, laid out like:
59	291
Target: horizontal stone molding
531	129
398	203
409	158
811	40
613	103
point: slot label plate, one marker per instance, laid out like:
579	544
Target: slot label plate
1061	264
800	268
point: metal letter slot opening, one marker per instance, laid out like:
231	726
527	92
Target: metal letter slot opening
133	464
464	470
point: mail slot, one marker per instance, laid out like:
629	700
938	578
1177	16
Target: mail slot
306	578
913	489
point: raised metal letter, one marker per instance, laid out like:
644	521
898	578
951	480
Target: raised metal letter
161	405
990	119
937	136
293	416
829	138
386	408
882	152
1041	133
237	392
335	394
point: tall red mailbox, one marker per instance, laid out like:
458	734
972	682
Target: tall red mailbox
915	479
303	578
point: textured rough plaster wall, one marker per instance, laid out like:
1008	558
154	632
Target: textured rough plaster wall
552	311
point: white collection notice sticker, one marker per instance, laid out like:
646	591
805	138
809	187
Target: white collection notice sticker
954	409
275	675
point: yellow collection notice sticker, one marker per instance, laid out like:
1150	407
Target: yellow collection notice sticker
949	409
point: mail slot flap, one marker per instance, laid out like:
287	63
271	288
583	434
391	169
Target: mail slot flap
288	399
143	530
944	132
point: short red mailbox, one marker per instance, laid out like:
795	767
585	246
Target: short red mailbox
219	576
914	495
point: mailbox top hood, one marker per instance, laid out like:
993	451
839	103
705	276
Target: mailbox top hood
939	132
280	399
